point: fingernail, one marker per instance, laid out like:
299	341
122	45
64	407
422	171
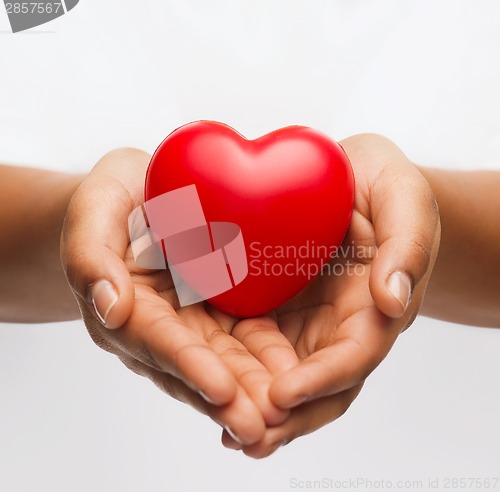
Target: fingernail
206	397
399	286
232	434
233	445
104	297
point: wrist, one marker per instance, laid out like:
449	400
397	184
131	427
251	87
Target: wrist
464	285
56	191
33	287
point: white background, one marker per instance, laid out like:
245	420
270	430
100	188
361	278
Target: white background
116	72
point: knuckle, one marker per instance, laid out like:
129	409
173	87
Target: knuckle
74	266
214	336
249	327
420	248
233	351
73	261
127	154
273	347
427	197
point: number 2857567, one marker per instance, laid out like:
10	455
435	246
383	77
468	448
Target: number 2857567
34	7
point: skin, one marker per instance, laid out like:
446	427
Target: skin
465	286
335	327
187	352
33	204
265	380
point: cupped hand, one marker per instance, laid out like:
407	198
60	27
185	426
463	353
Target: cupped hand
345	322
188	352
266	380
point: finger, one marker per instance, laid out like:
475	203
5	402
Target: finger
229	442
241	419
155	335
264	340
362	342
251	374
95	235
256	382
303	420
406	222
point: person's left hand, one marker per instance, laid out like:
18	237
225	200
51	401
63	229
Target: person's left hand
345	322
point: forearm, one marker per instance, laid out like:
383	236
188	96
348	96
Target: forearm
33	204
465	283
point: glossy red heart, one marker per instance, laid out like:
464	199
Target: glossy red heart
291	192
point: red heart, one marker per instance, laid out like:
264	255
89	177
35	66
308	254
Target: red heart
291	192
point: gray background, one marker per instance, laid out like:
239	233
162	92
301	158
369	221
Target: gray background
117	73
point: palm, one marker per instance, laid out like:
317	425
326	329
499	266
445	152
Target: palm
155	292
326	310
180	345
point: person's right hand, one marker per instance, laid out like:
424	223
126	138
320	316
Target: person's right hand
188	352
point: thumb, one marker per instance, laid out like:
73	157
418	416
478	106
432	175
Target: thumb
95	238
407	229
